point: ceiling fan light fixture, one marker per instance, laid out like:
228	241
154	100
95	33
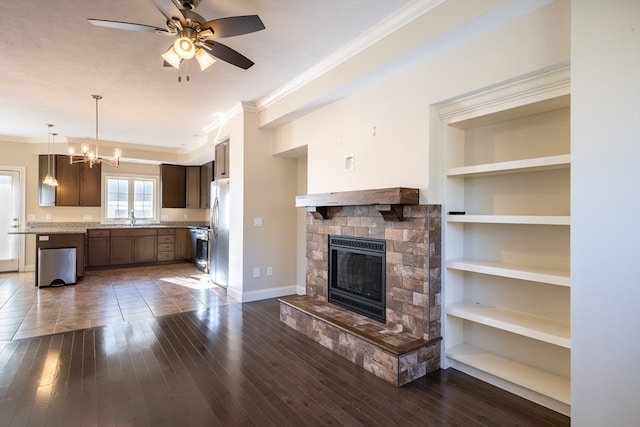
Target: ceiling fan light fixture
204	59
172	58
184	47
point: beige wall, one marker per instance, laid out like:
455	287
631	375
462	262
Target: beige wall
387	126
605	218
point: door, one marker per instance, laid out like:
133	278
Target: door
10	214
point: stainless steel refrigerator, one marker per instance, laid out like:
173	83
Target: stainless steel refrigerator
219	238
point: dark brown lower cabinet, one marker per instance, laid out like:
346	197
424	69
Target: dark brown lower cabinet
145	249
121	250
98	250
130	246
125	246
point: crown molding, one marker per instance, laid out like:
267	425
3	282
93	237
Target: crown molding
551	82
401	18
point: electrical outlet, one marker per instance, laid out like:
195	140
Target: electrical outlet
47	217
87	217
31	217
257	222
269	271
256	272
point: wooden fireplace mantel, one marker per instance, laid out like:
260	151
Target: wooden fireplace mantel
388	201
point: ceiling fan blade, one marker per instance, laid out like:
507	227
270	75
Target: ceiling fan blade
234	26
189	14
227	54
169	10
127	26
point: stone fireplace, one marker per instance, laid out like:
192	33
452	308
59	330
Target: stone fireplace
405	344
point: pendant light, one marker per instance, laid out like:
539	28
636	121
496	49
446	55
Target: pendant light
49	179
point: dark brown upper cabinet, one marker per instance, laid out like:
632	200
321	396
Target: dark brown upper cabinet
173	184
221	165
206	176
78	184
192	187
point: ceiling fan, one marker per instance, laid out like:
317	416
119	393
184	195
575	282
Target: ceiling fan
195	35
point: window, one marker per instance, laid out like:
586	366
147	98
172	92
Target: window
126	193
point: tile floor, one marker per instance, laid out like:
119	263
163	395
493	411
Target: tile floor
102	297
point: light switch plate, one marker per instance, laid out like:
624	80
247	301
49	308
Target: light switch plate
350	163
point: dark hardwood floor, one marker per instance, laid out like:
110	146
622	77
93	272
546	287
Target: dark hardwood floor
228	365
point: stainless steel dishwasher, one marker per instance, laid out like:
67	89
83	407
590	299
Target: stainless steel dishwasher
56	266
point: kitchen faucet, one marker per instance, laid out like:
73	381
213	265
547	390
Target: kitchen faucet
133	218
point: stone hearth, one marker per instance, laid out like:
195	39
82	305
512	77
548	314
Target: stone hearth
407	346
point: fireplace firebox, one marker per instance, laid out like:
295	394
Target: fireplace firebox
357	275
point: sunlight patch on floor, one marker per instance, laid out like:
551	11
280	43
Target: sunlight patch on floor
196	281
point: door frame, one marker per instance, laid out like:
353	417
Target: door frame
22	172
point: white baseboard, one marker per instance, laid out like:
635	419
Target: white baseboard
267	293
30	267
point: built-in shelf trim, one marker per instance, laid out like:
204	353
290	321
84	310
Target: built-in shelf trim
544	382
517	322
530	273
562	161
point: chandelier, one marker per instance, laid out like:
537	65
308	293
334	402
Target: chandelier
50	179
91	157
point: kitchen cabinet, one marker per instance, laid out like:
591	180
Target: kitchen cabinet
507	237
131	246
182	245
78	184
121	250
206	176
166	244
145	249
173	183
98	247
193	244
46	193
221	165
192	187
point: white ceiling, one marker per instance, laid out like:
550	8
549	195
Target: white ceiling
52	60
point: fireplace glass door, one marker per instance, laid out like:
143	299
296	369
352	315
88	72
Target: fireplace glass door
357	270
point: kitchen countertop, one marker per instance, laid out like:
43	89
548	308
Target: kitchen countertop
82	227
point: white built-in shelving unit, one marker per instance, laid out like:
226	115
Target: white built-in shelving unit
506	278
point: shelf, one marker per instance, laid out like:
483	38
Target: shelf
507	152
534	274
512	219
538	328
546	383
514	166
